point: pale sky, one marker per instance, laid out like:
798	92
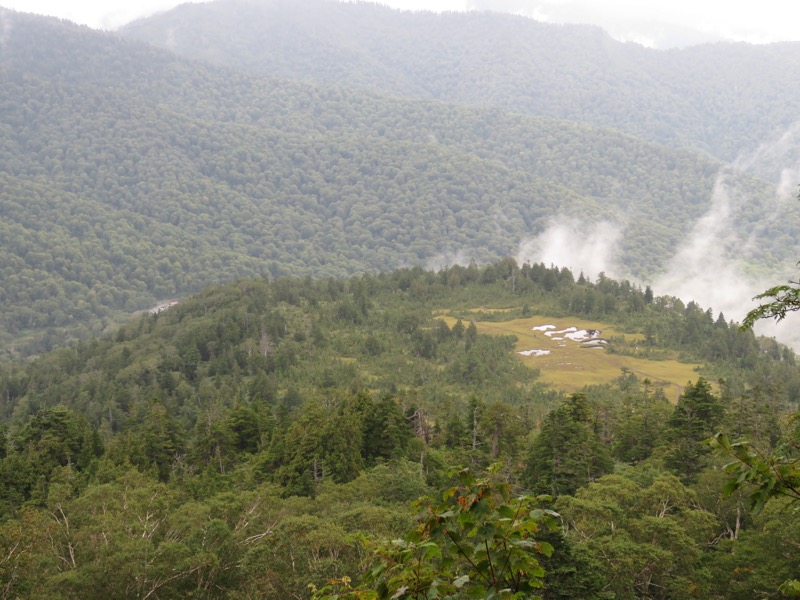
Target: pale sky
650	22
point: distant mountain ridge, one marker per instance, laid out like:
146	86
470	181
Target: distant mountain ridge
723	99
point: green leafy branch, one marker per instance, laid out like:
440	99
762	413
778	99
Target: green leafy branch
476	541
784	299
773	475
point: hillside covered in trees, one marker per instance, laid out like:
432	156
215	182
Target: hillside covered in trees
240	444
323	415
130	175
721	99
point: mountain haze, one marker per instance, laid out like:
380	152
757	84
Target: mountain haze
721	99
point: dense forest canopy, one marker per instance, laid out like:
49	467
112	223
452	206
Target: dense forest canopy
722	99
240	444
130	176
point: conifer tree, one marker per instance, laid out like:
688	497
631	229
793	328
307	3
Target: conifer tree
695	418
568	453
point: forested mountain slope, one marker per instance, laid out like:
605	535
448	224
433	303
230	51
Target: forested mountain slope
238	444
724	99
130	175
387	331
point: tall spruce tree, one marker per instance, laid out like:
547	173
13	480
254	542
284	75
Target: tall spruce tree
695	418
568	453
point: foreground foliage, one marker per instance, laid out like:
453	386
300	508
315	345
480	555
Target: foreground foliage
477	541
769	476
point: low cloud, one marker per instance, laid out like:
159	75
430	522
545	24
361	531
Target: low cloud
448	259
567	242
786	331
678	23
705	268
777	160
702	270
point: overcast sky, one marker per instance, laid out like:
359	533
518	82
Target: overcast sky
658	23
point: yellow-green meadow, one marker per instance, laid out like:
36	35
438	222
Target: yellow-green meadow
569	364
